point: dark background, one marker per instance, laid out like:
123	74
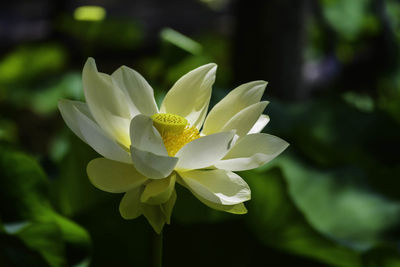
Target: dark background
333	66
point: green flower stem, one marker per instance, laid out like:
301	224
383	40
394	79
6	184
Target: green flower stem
157	249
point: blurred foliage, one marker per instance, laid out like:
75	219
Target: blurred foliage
331	199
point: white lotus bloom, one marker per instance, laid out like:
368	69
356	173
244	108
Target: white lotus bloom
147	150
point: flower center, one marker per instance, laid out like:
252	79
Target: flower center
174	130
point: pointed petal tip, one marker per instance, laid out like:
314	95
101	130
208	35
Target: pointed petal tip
211	67
90	64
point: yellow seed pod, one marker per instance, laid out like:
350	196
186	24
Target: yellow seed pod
166	122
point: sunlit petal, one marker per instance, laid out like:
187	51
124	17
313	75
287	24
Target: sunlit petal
190	95
78	118
217	186
260	124
138	90
245	119
204	151
238	99
107	103
252	151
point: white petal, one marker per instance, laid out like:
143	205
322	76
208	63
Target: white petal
234	209
77	116
204	151
158	191
260	124
252	151
152	165
190	95
241	97
107	103
130	206
245	119
138	90
113	176
217	186
145	136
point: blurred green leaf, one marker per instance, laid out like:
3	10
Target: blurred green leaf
47	239
71	191
8	131
382	256
277	222
25	197
344	211
14	252
45	100
354	12
109	33
181	41
29	63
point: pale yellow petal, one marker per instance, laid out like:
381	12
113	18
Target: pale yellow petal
130	206
158	191
113	176
168	207
154	216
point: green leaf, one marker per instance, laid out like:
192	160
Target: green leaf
45	238
337	206
25	197
278	223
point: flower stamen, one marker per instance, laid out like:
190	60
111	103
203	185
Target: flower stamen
175	131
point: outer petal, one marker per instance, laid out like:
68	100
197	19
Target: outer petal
158	191
190	95
152	165
145	136
234	209
106	102
140	93
130	206
167	207
154	216
252	151
204	151
158	215
260	124
217	186
243	96
113	176
244	120
78	118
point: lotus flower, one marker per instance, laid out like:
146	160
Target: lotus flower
147	150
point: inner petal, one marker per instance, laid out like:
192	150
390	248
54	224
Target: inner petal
175	131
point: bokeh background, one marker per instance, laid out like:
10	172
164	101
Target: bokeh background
333	66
